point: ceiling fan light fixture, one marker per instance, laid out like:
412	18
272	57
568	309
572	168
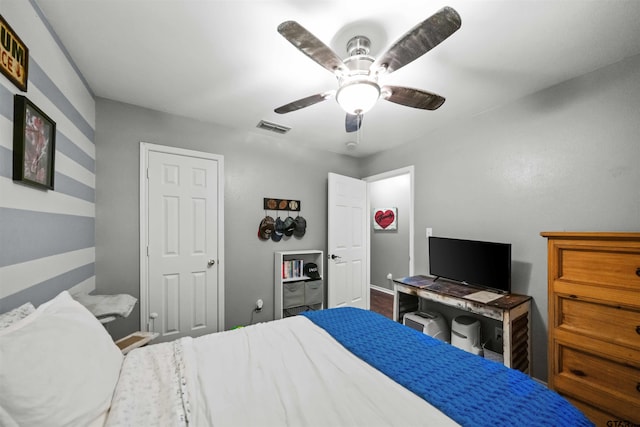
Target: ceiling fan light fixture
358	88
358	96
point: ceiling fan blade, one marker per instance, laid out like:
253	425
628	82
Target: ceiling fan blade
412	97
311	46
419	40
353	122
304	102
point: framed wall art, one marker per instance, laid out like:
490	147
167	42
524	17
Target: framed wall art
34	145
15	56
385	219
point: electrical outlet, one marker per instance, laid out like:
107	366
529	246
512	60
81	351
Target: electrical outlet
497	334
429	232
259	305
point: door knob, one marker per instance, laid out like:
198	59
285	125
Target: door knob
334	256
211	262
151	324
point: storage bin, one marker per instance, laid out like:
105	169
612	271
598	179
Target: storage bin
292	294
492	355
313	291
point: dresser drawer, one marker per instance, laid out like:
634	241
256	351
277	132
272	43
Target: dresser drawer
609	386
615	266
598	417
612	324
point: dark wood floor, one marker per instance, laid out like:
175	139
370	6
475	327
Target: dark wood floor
381	302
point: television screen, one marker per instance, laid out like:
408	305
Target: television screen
485	264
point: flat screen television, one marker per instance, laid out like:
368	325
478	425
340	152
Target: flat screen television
472	262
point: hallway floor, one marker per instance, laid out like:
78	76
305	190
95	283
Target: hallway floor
381	302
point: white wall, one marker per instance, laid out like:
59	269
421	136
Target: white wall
566	158
47	237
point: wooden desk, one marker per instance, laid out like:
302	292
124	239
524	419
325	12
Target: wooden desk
514	311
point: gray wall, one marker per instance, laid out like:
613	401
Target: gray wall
566	158
562	159
390	248
256	166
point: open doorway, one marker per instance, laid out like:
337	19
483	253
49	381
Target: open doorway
391	249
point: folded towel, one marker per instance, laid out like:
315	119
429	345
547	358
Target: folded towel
107	305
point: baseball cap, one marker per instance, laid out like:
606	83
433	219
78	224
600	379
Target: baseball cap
301	226
311	270
278	230
267	225
289	226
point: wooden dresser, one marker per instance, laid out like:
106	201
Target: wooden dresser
594	323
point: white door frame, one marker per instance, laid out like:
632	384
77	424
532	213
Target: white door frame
384	175
145	148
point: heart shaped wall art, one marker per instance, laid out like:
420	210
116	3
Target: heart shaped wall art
385	219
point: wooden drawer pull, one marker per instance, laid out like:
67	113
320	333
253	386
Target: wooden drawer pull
579	373
638	329
638	272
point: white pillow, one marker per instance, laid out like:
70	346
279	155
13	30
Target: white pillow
10	317
58	366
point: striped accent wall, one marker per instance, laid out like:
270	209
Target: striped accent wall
47	238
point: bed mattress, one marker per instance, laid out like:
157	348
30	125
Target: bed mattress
333	367
284	373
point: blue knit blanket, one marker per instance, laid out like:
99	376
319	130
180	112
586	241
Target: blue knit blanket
471	390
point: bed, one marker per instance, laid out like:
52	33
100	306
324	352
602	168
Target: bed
342	366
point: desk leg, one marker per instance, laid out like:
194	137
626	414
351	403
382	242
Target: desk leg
506	339
516	334
396	305
403	302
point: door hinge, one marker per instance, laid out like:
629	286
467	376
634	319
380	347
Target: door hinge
147	250
147	173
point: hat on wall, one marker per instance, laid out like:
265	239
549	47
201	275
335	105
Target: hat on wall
311	270
267	225
301	226
289	226
278	230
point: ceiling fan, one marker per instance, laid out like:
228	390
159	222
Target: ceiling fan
358	75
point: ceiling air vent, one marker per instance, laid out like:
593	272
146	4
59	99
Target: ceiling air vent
273	127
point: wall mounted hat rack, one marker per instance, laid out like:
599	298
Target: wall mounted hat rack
281	205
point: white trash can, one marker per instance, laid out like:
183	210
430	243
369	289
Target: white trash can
465	334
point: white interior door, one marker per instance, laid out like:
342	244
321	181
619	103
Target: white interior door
347	234
184	275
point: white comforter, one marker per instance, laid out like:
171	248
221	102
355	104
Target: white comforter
284	373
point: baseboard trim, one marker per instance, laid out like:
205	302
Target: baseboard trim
381	289
544	383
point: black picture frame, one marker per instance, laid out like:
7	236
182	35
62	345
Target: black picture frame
34	145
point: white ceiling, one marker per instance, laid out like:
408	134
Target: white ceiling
222	61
